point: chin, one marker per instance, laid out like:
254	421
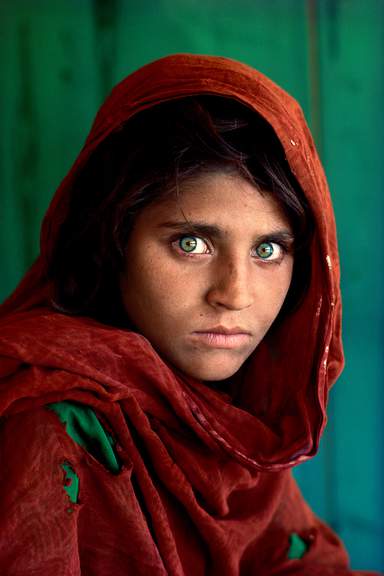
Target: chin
212	373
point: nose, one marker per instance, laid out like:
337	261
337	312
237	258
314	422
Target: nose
231	286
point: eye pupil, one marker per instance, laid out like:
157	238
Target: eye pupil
265	250
188	243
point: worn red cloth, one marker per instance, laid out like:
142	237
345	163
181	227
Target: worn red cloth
206	485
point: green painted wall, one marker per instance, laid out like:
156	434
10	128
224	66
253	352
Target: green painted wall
59	58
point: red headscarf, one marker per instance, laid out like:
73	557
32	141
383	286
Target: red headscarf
185	442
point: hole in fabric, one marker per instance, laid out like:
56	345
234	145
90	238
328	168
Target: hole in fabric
297	547
71	483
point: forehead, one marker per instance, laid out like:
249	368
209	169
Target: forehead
221	198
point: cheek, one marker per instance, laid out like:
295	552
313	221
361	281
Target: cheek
284	282
153	291
276	287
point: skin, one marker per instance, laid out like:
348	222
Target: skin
180	281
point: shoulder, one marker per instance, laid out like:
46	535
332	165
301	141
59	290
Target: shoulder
51	434
34	453
33	435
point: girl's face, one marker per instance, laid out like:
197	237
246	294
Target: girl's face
207	273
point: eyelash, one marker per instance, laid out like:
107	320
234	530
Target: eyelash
175	242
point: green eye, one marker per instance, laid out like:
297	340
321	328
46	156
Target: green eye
265	250
188	243
193	245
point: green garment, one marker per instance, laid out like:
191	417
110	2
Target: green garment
83	426
297	547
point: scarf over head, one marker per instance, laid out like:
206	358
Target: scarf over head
204	485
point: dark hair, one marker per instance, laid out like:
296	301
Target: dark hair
147	159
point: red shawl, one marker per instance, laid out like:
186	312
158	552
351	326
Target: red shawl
205	486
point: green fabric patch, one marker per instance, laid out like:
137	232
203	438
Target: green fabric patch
297	547
83	426
71	482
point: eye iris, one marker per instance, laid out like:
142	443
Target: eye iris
265	250
188	243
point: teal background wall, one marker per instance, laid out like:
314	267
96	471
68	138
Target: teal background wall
59	59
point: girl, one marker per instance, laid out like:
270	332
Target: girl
167	359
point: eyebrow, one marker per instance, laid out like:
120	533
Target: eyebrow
278	234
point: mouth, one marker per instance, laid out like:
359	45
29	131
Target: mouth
222	337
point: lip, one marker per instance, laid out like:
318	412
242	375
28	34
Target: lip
223	330
222	337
